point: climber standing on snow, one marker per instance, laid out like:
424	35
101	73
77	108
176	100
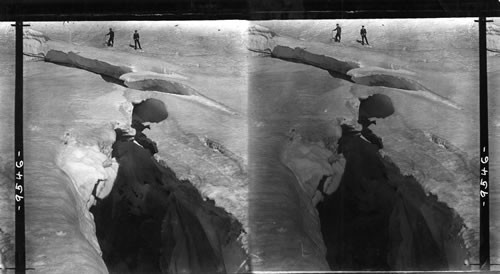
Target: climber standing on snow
111	40
339	32
363	36
136	40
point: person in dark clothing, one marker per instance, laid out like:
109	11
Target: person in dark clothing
339	32
111	40
365	122
363	36
368	133
136	40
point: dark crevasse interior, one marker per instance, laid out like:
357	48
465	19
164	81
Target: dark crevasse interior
152	222
379	219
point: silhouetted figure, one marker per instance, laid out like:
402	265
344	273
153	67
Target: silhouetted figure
339	32
372	137
136	40
142	139
138	126
111	40
365	122
363	36
368	133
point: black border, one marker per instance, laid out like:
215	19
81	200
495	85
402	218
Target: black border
75	10
484	206
65	15
20	252
116	10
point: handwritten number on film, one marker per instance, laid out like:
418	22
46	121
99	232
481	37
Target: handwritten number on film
19	188
484	184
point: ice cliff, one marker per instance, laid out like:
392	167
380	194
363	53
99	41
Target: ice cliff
34	44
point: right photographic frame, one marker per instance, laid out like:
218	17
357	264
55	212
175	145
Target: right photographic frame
364	144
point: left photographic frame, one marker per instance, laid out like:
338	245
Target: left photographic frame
135	135
7	161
